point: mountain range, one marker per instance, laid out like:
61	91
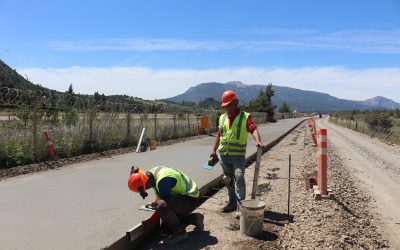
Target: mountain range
299	100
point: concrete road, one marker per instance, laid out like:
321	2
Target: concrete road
88	205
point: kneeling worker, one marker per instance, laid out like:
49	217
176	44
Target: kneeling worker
177	197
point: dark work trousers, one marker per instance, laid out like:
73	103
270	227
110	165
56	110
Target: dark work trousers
175	210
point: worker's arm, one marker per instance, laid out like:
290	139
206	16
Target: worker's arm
216	145
252	129
165	186
257	138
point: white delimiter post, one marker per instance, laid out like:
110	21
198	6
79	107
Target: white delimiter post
140	141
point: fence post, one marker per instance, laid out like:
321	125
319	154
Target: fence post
174	124
155	125
188	123
34	127
128	125
91	118
34	134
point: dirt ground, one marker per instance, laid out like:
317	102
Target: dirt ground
344	223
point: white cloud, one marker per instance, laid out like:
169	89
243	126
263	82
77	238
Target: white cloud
149	83
359	41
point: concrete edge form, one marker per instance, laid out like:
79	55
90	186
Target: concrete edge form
137	235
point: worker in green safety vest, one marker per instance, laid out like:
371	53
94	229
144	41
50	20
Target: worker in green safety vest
177	197
231	143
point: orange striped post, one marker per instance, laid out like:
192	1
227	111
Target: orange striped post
314	126
49	145
312	131
322	161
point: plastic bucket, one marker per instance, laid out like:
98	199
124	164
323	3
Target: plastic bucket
252	217
153	144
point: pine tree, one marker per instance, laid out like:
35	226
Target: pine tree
285	108
263	103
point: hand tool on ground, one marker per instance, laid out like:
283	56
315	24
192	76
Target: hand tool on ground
147	207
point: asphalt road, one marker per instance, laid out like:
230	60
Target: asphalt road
88	205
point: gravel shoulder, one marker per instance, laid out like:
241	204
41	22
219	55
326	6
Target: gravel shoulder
377	165
344	223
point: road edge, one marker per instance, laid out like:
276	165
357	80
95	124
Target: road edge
137	236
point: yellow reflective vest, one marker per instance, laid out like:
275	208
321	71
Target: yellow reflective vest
233	141
184	185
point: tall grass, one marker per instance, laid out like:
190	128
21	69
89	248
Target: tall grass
108	131
358	124
73	133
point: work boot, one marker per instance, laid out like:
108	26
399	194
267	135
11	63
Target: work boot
230	207
165	230
178	235
198	221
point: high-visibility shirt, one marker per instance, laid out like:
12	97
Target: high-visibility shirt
233	140
184	185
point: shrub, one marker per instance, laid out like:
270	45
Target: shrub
14	153
378	119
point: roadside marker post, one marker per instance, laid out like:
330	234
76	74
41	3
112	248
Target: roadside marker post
49	145
312	130
321	190
322	161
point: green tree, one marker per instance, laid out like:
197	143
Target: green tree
263	103
70	97
210	102
285	108
70	90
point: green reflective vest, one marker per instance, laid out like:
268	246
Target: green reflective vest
184	185
233	141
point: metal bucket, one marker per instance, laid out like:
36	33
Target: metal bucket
252	217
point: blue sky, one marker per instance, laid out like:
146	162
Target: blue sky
158	49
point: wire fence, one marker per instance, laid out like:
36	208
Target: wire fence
83	124
391	135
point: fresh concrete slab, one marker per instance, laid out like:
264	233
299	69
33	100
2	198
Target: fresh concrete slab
88	205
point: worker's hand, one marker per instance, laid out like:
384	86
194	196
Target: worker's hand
259	145
213	153
154	204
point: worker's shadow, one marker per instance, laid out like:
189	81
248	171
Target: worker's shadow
197	240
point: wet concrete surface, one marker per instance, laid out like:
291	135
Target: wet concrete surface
88	205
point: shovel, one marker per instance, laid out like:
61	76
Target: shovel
256	173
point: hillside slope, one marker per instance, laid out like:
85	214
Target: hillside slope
300	100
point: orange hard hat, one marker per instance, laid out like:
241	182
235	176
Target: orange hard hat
136	180
227	97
